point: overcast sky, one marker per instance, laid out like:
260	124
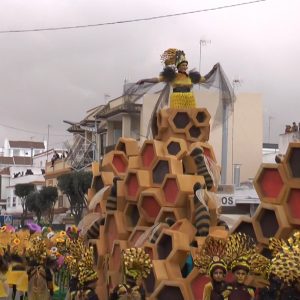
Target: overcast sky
49	76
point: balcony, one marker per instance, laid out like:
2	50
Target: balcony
60	167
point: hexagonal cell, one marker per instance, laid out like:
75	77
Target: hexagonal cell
128	145
173	148
131	214
119	163
292	204
244	225
115	161
148	155
132	185
164	166
101	180
197	133
151	250
292	161
150	283
111	231
160	170
150	203
176	213
135	235
197	282
176	147
270	221
181	120
149	151
115	257
171	190
177	188
269	183
135	182
173	246
201	117
164	246
194	131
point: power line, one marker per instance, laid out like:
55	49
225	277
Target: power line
131	20
29	131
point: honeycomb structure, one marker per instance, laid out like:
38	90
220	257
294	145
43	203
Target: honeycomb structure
278	187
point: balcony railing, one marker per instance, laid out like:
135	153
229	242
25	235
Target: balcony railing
60	165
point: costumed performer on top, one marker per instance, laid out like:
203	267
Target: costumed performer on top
175	72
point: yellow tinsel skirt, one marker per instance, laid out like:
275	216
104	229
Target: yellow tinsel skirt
182	100
3	286
18	278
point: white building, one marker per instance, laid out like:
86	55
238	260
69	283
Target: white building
22	148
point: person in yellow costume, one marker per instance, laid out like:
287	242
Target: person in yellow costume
175	72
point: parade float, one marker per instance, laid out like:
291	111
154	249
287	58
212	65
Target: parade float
136	189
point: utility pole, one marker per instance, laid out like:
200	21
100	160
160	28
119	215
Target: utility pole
236	83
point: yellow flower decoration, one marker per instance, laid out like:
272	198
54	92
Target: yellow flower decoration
62	233
3	228
16	241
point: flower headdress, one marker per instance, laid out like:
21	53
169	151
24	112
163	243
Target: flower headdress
211	256
241	254
137	263
173	57
286	260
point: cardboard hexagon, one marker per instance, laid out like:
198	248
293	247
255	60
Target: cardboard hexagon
131	215
134	238
128	145
177	188
176	213
101	180
292	162
116	162
270	183
200	117
135	182
163	166
171	245
270	221
179	120
116	253
150	203
114	229
149	152
175	146
197	133
292	203
244	225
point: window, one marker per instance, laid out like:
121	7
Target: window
16	152
14	204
